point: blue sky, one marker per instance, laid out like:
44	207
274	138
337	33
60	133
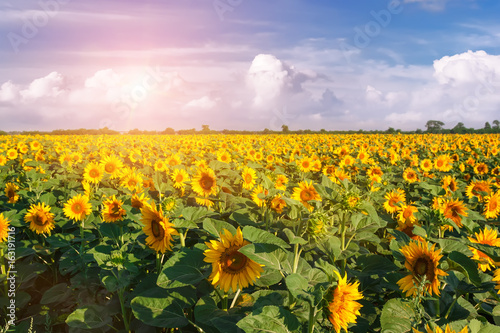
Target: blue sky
242	64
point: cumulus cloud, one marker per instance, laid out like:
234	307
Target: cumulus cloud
9	92
270	79
103	79
51	85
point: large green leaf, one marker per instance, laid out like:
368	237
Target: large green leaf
465	265
186	266
164	308
216	227
89	317
58	293
256	235
270	319
397	316
268	255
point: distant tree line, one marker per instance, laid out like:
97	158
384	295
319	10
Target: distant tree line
432	126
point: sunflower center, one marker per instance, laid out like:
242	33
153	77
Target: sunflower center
422	267
234	262
157	229
407	213
94	173
305	195
110	168
179	178
40	219
115	210
393	202
248	178
305	164
11	193
206	182
77	208
132	183
439	163
493	204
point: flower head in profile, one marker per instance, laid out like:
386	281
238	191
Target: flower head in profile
438	329
454	210
393	200
77	208
487	236
492	205
4	228
305	193
10	192
343	309
40	218
422	263
230	268
158	229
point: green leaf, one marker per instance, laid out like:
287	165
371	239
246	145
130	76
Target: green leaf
397	316
215	227
496	314
164	308
48	199
56	294
331	246
256	235
297	285
186	266
271	319
292	239
466	266
448	245
89	317
268	255
375	265
269	277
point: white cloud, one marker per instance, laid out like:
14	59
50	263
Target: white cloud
9	92
204	103
104	79
48	86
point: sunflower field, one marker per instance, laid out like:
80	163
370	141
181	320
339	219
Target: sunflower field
250	233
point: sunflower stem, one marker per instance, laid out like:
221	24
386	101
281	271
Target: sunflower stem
312	317
224	302
235	298
158	263
124	310
438	308
4	271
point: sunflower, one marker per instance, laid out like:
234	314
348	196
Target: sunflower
204	202
132	180
453	209
489	237
438	329
230	268
421	262
204	183
478	189
40	218
160	165
3	160
10	192
492	205
280	182
4	228
173	160
255	195
77	208
277	204
138	201
496	279
410	175
426	165
112	165
443	163
158	229
305	193
406	213
93	173
449	184
113	210
375	174
343	308
12	154
393	198
305	164
223	156
249	177
347	161
481	168
179	177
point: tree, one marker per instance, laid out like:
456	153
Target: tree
459	128
390	130
434	126
496	124
205	129
169	131
285	128
487	126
